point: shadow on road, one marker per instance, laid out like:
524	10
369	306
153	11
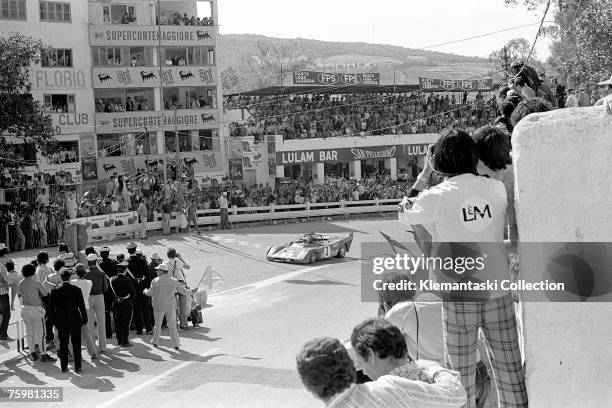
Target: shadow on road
317	282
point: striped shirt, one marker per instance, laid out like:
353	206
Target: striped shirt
390	391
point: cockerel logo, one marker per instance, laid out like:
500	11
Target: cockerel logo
185	75
145	75
190	162
104	78
202	35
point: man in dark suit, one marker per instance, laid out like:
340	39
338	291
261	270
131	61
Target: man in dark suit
124	291
68	314
109	266
137	270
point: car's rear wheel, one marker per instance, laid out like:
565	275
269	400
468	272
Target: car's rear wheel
313	257
341	252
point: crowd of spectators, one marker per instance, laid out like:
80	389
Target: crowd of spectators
184	20
325	115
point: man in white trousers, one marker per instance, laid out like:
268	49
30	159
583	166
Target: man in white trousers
163	299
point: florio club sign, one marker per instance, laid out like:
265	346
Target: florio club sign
147	77
350	154
151	35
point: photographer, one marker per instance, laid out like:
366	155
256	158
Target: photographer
176	264
443	210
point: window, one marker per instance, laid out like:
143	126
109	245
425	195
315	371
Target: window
125	56
54	11
126	144
124	100
59	103
66	152
56	57
118	14
185	140
22	151
188	56
13	9
188	98
206	139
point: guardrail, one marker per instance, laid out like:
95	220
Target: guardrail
279	212
236	215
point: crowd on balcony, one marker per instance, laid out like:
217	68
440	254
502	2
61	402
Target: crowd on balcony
324	115
184	20
110	105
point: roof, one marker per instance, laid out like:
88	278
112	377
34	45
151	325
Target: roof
305	89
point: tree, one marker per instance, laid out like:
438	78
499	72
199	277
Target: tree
581	38
22	119
229	80
516	49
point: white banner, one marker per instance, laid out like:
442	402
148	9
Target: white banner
107	220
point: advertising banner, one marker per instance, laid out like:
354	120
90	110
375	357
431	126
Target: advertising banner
235	169
106	220
151	35
137	120
252	154
335	78
202	162
70	172
338	155
470	85
148	77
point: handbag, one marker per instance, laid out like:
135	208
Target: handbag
196	315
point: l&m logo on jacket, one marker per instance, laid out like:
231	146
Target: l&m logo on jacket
476	214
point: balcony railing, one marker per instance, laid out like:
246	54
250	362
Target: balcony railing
152	35
150	77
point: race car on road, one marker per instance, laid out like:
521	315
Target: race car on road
311	248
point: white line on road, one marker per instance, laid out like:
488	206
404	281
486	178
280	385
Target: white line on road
268	282
155	379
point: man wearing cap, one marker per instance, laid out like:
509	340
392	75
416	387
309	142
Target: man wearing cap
68	314
124	292
109	266
137	268
151	274
222	201
99	285
162	293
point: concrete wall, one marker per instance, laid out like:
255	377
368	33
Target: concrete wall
563	192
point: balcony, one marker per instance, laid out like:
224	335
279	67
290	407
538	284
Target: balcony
152	77
136	121
151	35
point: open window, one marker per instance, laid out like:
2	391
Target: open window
118	14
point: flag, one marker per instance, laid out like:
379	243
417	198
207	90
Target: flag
210	275
394	244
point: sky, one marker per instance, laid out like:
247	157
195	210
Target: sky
408	23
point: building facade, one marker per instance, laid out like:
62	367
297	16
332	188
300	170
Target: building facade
129	85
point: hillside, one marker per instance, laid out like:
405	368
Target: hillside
408	64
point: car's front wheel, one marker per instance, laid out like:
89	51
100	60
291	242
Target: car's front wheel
341	252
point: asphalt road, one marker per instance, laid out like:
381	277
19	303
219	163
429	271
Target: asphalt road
258	317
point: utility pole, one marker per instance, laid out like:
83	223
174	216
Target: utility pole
506	58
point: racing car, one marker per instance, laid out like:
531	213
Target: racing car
311	248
